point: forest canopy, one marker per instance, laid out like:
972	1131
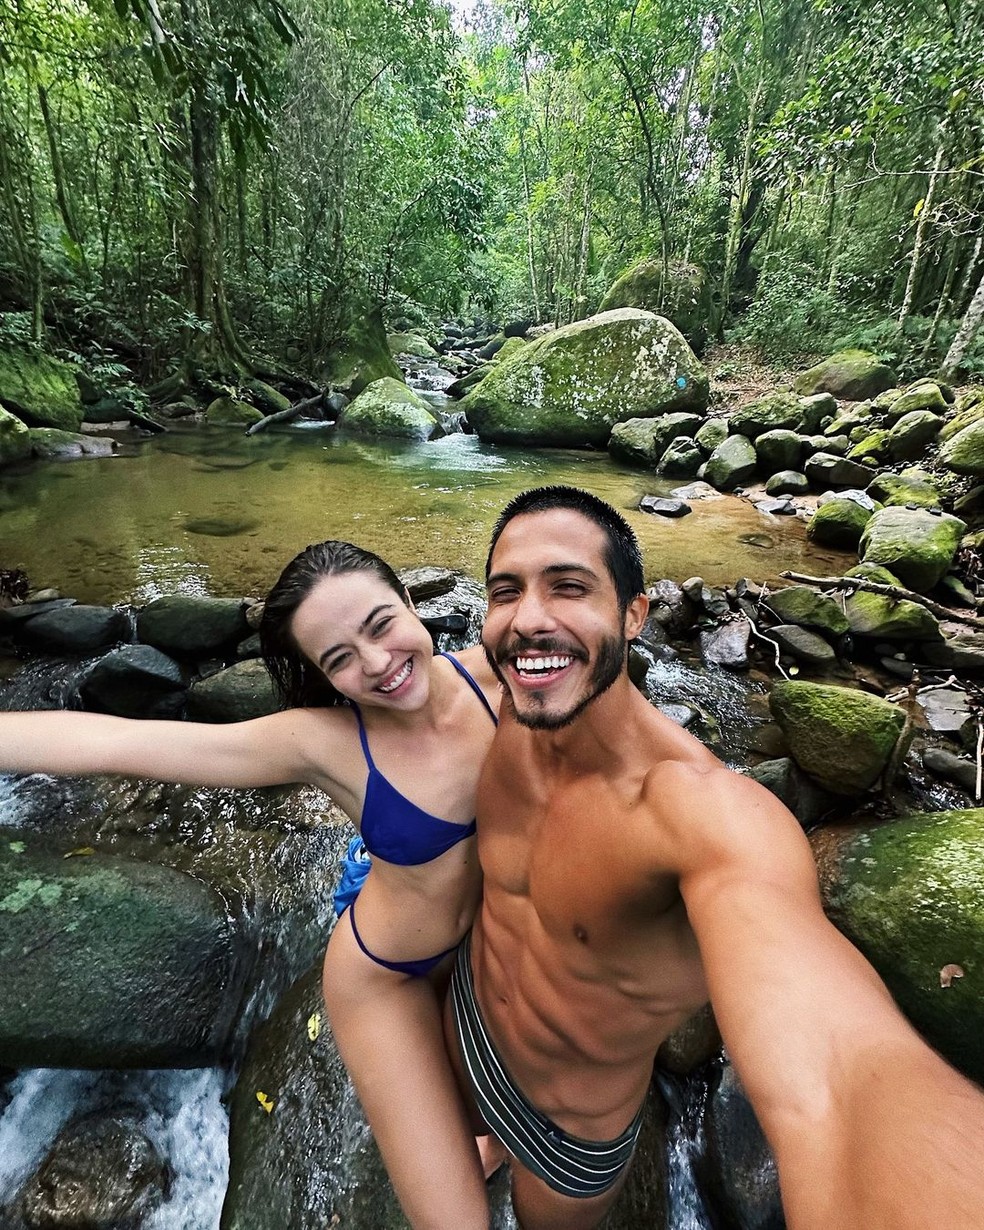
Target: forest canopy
235	181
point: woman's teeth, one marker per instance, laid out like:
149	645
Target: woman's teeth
397	679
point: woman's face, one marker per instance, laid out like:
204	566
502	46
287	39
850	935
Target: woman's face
368	643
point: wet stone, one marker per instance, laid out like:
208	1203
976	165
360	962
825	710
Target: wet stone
777	508
664	507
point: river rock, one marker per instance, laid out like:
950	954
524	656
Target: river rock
880	618
799	604
912	434
110	962
15	439
681	294
49	442
696	1042
682	459
908	894
791	786
838	523
960	770
737	1175
923	395
100	1172
388	408
710	434
912	486
726	645
828	470
851	375
428	581
643	441
189	626
946	709
670	607
852	418
77	628
968	410
664	507
39	390
570	387
870	447
777	450
788	482
360	356
913	543
836	446
231	412
964	452
814	409
236	694
135	681
732	463
412	344
962	647
803	645
842	737
770	413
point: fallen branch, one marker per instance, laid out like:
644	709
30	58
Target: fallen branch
777	648
889	591
285	416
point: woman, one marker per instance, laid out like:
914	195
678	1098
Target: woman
402	758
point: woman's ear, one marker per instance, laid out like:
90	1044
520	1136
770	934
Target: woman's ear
408	600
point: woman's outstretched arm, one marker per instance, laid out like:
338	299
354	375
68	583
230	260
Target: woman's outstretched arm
266	751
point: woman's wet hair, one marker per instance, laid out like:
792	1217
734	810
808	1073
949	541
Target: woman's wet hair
622	554
301	683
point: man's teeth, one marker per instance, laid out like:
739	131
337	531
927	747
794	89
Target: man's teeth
543	664
397	679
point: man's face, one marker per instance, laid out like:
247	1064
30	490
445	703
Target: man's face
553	632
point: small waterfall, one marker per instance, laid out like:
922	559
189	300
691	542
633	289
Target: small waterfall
684	1142
181	1112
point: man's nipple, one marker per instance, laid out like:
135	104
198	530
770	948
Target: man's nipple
580	934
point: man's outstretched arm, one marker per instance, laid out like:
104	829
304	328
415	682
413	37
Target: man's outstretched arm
871	1129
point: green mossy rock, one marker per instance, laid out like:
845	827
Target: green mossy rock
732	463
910	487
40	390
15	439
644	441
968	409
570	387
858	416
910	895
770	413
231	412
50	442
915	544
681	460
912	434
266	398
131	964
964	452
838	523
924	395
881	618
361	356
854	375
683	297
841	737
779	450
873	447
388	408
798	604
511	346
412	344
711	434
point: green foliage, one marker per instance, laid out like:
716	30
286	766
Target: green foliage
792	314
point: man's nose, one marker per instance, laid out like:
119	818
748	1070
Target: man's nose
532	614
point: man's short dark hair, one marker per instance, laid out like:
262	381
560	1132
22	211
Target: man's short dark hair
622	555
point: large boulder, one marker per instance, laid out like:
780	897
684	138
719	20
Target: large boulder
912	433
732	463
412	344
15	439
40	390
135	681
842	737
908	893
50	442
388	408
829	470
361	356
169	980
228	411
912	486
682	296
570	387
779	449
853	375
964	452
77	629
917	545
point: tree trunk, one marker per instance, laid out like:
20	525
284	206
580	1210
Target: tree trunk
922	229
965	334
58	175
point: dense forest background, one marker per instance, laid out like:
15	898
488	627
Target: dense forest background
236	181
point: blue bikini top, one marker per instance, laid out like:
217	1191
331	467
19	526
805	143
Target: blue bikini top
393	828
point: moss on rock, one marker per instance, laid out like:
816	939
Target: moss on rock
841	737
39	390
571	386
964	452
838	523
388	408
231	412
15	439
854	375
914	543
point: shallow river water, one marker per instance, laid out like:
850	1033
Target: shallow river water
210	510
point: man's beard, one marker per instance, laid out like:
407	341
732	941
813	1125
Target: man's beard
607	668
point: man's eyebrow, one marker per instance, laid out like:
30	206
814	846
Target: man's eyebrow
376	610
550	571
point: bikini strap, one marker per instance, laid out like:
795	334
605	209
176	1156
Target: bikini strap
362	738
463	672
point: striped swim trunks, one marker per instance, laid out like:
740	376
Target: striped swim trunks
568	1164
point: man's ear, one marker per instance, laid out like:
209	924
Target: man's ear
635	616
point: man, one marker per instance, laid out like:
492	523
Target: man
628	875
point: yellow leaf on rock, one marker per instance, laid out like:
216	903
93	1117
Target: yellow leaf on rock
314	1025
266	1102
79	852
